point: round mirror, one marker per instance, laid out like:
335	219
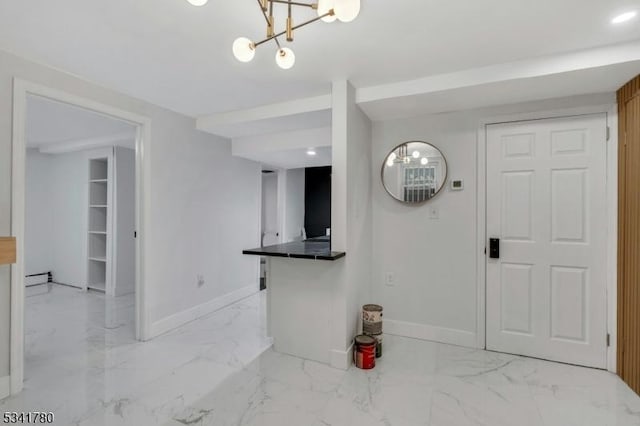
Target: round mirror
414	172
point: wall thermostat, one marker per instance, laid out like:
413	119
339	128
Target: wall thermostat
457	185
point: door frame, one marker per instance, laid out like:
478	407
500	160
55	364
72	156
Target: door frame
611	112
21	89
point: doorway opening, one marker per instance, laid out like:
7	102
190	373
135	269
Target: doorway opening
296	208
77	213
269	220
79	247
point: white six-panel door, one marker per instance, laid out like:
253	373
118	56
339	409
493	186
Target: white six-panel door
546	201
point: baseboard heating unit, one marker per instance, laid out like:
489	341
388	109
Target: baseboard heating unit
38	279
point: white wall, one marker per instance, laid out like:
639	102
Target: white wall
359	213
56	236
293	221
69	186
269	219
205	209
351	215
204	204
434	261
124	211
38	233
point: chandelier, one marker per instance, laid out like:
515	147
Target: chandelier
244	49
401	155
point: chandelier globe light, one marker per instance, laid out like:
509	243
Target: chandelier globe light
324	6
404	157
244	49
347	10
285	58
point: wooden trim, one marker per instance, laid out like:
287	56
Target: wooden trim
629	91
628	357
7	250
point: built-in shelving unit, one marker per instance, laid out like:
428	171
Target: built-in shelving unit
99	214
110	222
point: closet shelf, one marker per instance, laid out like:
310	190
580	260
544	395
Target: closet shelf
98	257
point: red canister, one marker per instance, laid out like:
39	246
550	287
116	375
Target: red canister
364	352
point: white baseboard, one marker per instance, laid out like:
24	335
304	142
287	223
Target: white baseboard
429	332
342	359
176	320
5	387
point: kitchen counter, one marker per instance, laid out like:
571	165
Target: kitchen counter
309	249
301	297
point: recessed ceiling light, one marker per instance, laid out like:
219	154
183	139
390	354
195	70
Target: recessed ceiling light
311	152
624	17
198	2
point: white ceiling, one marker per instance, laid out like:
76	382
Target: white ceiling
286	150
179	56
291	158
597	80
285	123
51	123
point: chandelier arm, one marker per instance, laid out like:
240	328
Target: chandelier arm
275	37
329	13
272	24
266	18
289	22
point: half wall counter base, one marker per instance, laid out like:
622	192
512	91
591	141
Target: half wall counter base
304	315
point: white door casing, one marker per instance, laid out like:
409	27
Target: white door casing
546	201
21	88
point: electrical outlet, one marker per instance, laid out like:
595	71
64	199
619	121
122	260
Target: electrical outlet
434	212
200	280
390	279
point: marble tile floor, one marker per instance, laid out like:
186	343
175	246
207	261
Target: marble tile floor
82	359
215	371
416	383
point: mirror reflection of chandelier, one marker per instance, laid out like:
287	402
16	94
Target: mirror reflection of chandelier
402	155
244	49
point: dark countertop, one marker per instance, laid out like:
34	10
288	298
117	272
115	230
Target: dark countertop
309	249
